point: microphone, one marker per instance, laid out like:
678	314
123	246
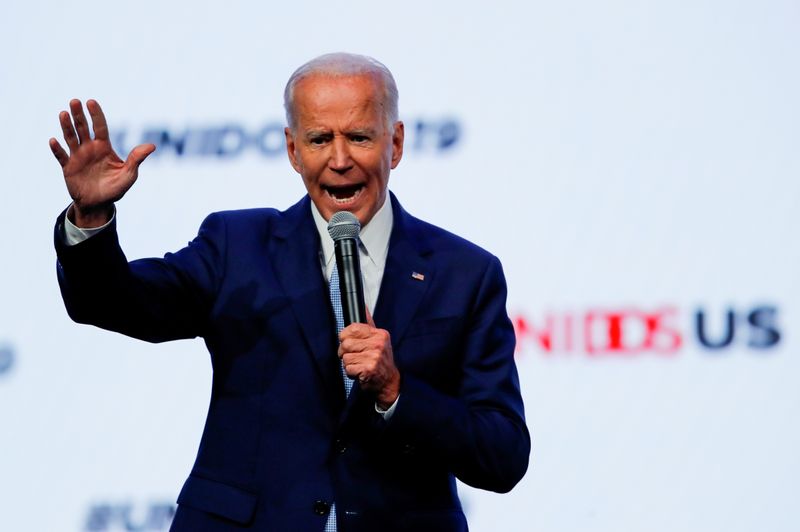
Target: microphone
344	228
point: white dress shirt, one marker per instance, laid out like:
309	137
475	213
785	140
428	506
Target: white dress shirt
374	247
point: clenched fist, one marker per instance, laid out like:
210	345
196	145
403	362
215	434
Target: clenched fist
366	353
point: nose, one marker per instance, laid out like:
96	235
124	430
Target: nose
340	156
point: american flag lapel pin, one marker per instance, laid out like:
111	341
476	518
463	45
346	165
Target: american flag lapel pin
418	276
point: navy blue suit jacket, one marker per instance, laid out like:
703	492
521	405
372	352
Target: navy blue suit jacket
281	440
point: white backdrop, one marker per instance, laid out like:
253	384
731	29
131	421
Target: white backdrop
633	164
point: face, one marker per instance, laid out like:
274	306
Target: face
341	144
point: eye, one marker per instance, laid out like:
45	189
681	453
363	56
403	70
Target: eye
359	138
318	141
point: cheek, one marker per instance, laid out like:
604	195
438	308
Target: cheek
378	165
310	170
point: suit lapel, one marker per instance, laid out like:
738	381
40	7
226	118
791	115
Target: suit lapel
407	275
295	261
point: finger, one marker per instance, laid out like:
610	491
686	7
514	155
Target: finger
356	330
139	154
58	151
69	132
354	370
81	125
346	351
354	357
364	373
356	345
98	120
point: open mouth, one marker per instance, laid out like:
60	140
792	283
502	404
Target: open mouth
344	195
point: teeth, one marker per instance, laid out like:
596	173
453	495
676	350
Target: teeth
345	201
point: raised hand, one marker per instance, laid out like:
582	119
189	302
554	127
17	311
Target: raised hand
95	175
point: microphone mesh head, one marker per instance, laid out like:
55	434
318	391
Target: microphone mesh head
343	224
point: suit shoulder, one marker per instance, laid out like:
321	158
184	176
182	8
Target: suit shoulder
239	216
241	221
263	216
443	242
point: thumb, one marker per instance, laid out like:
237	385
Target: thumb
140	153
370	321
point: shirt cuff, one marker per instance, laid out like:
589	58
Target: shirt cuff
387	414
75	235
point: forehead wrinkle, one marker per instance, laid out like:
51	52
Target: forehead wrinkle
362	117
325	101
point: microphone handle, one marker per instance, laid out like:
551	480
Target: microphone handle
350	285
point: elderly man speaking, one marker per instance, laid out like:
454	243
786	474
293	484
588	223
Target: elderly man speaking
313	426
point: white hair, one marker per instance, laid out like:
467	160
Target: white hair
343	64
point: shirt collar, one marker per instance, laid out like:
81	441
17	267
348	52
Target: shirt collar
374	236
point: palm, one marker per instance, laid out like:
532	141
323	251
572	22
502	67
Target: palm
95	175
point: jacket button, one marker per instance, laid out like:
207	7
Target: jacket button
340	446
321	508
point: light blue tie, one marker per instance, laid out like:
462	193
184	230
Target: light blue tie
336	301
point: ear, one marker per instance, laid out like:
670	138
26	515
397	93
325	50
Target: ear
290	149
397	143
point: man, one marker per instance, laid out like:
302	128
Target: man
290	443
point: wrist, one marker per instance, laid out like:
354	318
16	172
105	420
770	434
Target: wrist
388	395
92	217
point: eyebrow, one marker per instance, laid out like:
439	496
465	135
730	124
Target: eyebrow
317	133
366	131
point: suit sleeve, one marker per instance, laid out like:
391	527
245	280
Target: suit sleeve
480	434
150	299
